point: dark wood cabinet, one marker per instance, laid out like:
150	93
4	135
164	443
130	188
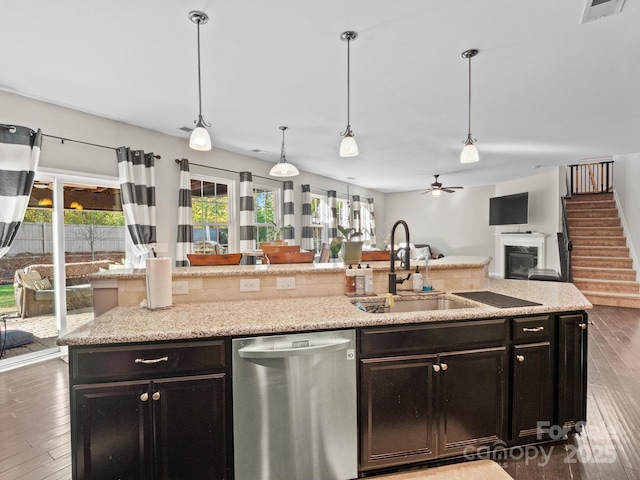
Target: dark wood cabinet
532	407
420	407
156	428
396	411
572	370
532	378
472	400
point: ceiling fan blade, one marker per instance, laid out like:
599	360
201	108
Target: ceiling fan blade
427	191
454	188
447	190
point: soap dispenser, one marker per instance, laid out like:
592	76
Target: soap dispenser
417	280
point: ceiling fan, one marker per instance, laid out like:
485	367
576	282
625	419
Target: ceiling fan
437	188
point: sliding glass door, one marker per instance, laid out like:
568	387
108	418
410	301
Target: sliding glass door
73	227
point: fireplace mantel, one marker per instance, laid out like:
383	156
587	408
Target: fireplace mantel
519	240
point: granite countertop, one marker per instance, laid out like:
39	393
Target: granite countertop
451	262
251	317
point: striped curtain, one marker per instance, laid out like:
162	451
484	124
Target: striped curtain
19	156
356	220
333	217
184	243
288	216
372	222
247	229
306	242
136	170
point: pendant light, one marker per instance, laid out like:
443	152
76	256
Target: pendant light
469	152
283	168
200	139
348	147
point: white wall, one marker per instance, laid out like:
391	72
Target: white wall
85	160
454	224
626	172
544	209
458	223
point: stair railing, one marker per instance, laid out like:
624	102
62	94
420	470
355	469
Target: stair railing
595	177
565	246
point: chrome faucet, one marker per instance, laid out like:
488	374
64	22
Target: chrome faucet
393	280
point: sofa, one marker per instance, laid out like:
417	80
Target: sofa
34	288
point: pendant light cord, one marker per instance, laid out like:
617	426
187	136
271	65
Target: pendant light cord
348	82
199	76
283	156
469	130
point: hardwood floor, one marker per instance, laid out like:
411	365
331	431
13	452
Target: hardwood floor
34	415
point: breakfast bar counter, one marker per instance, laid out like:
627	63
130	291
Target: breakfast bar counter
263	316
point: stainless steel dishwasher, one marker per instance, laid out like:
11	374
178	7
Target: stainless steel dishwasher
294	407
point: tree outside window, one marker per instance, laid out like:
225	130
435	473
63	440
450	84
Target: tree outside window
265	213
210	213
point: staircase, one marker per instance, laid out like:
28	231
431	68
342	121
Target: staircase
600	261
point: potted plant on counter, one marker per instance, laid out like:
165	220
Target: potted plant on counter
351	249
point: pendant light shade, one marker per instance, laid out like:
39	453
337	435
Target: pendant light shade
348	147
469	152
200	139
283	168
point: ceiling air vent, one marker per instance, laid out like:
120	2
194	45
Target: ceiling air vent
186	129
599	9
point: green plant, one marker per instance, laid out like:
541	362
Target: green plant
275	232
344	235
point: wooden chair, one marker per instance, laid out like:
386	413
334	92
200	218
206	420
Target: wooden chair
198	260
280	248
290	257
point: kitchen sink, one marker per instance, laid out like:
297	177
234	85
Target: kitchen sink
413	305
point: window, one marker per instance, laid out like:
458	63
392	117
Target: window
342	213
210	208
266	213
320	219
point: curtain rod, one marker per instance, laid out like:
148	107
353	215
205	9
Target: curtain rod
12	129
62	140
224	170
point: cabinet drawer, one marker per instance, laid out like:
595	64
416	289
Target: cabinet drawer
436	337
132	362
531	329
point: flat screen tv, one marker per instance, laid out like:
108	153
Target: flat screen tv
509	209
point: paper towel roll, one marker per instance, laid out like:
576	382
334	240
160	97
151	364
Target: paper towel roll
158	283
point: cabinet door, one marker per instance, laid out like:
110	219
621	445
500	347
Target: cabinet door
191	430
111	431
532	391
396	411
472	399
572	369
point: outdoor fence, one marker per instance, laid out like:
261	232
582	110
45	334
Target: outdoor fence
37	238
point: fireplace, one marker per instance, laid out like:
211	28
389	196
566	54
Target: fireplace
518	261
534	244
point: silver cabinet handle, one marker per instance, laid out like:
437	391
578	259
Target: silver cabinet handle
444	366
532	329
436	368
156	396
520	358
153	360
144	397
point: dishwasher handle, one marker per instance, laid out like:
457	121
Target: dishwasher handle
326	347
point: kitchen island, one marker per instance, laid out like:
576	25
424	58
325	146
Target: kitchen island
432	384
